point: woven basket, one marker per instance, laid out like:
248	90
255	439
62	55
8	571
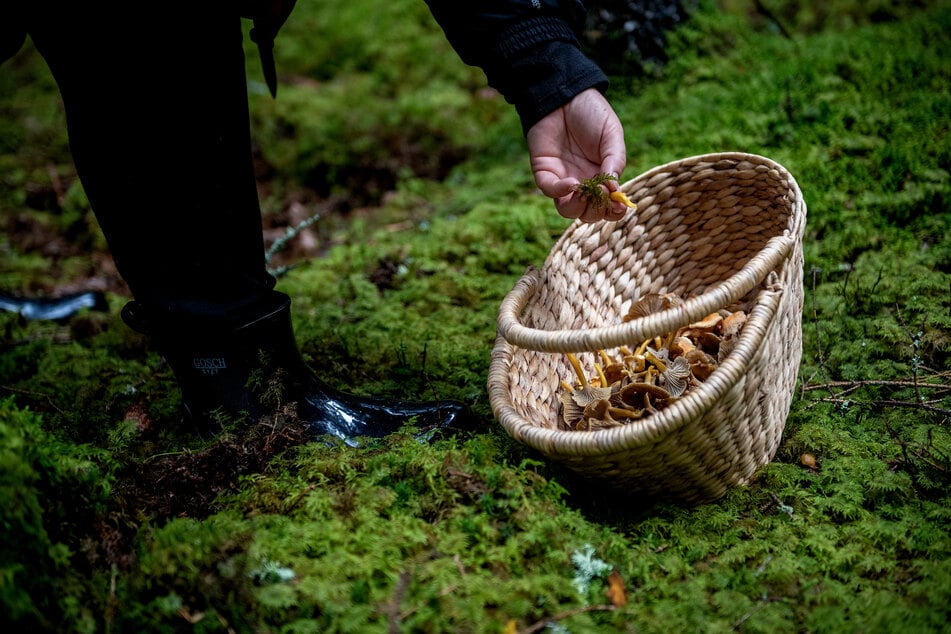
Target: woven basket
714	229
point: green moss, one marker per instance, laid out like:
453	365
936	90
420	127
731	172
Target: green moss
472	534
51	492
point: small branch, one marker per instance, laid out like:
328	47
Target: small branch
445	591
41	395
759	606
538	626
851	386
929	462
395	618
769	15
281	243
815	322
289	506
886	403
935	450
163	455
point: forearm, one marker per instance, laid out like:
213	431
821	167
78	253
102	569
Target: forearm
528	49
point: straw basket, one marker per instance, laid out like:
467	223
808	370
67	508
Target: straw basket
714	229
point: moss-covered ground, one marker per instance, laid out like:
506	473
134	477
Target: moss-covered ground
116	519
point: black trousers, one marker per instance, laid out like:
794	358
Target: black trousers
157	114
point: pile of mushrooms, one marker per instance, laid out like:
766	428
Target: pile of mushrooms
635	383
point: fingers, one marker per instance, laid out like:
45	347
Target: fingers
572	143
574	206
614	162
553	186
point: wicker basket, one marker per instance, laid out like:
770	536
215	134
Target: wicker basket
715	229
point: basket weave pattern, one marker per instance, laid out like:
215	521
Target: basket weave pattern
720	230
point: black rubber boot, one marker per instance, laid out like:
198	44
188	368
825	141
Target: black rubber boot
255	370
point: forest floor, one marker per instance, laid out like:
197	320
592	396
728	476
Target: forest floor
412	180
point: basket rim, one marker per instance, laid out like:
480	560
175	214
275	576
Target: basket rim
777	249
710	157
738	285
512	334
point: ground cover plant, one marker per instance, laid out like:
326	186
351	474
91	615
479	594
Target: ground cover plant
408	183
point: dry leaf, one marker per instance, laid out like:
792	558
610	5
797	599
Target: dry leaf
615	592
809	461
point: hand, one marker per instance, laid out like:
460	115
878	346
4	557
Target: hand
579	140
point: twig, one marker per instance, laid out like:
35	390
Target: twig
815	321
916	345
930	463
395	618
538	626
445	591
769	15
49	399
934	449
886	403
759	606
851	386
279	244
399	616
162	455
289	506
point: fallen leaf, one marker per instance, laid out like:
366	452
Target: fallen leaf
615	592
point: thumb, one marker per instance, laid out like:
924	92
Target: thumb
555	187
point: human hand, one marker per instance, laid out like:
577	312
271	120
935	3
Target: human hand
579	140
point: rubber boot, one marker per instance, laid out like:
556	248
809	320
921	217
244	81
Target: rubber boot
255	370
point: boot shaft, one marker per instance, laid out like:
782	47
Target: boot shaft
226	367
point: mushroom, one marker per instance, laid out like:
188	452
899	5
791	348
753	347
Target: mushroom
574	401
707	323
702	364
680	346
651	303
633	394
676	378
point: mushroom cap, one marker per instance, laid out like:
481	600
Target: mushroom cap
702	364
650	304
632	391
677	377
574	404
732	324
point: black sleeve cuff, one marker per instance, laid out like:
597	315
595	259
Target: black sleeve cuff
540	67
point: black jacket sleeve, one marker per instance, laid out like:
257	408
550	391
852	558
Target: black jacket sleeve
528	49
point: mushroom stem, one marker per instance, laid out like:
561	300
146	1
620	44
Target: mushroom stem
656	361
623	412
641	348
601	377
670	340
577	367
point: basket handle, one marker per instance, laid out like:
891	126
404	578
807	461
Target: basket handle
694	309
690	407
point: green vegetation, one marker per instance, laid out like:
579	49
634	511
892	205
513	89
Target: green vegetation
115	519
